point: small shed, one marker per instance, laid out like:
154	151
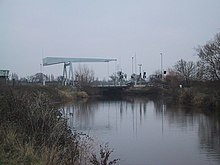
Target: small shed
4	77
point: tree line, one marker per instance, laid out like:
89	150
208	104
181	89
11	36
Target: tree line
207	68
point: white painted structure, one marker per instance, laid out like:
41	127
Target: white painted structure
4	73
4	77
68	62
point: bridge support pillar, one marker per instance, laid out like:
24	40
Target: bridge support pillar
68	79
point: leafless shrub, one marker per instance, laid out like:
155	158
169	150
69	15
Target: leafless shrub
105	153
209	55
33	131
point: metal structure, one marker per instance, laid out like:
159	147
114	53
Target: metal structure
68	62
4	77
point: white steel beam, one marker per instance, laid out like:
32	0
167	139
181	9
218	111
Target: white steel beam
59	60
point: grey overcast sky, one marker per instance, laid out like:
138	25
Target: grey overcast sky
30	29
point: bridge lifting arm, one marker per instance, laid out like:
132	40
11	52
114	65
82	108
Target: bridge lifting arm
68	62
59	60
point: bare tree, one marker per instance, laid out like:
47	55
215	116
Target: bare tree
14	76
187	70
83	76
210	57
201	71
118	77
114	78
52	77
173	79
38	77
156	77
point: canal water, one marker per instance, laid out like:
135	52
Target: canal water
146	132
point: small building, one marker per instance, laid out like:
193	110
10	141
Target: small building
4	77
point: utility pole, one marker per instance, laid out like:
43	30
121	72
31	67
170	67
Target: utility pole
41	74
161	60
140	71
140	68
135	61
40	68
43	80
132	65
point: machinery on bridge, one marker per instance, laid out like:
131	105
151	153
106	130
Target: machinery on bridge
68	62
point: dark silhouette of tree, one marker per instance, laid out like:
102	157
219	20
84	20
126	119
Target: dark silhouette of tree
173	79
201	71
14	76
83	76
209	55
187	70
38	77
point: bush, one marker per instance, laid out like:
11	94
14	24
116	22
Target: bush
31	128
202	100
105	153
33	131
186	96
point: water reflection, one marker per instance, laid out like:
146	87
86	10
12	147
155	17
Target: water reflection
186	119
209	136
80	115
149	123
87	115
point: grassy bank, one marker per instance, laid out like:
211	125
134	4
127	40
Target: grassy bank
56	94
203	95
33	131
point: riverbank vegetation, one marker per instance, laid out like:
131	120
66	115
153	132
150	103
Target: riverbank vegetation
34	132
194	83
204	95
198	82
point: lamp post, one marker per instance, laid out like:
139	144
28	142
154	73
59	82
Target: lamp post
140	68
132	65
140	71
161	60
41	74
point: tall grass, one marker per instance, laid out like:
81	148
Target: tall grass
33	131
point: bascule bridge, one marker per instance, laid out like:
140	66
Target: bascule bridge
67	62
